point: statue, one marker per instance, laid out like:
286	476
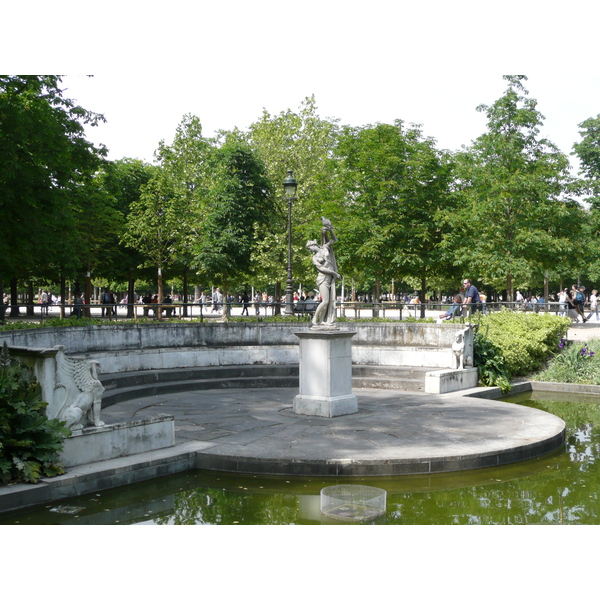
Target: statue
324	260
78	392
462	349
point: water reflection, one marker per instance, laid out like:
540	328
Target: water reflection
561	488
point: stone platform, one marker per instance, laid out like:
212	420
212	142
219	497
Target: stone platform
393	433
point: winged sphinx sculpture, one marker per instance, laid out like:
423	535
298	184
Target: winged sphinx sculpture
77	392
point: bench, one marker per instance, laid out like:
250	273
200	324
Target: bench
307	307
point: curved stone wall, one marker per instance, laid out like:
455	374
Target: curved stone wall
130	347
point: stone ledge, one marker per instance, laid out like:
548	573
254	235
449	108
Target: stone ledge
94	444
450	380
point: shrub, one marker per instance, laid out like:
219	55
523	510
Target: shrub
29	441
525	340
490	364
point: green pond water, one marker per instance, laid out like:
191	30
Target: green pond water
560	488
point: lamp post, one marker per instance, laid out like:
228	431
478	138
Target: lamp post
289	185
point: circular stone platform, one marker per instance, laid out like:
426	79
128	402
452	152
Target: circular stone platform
393	433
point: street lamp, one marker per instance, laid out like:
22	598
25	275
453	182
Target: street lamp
289	185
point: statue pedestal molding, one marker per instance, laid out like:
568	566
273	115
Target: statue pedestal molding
325	374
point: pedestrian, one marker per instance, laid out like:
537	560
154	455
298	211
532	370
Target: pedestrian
519	298
246	303
105	301
594	305
257	303
562	302
579	301
454	311
217	299
78	302
472	302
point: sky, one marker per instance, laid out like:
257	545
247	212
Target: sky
428	63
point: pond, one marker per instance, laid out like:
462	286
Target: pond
560	488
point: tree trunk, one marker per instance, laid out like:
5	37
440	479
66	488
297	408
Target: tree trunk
160	295
14	298
376	296
422	293
87	311
63	293
130	295
509	288
30	299
185	293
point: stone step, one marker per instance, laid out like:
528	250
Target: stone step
157	376
390	383
120	387
390	371
121	394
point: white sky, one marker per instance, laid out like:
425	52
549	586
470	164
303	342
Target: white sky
430	63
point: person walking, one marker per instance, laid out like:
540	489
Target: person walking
246	303
576	299
562	302
217	299
594	305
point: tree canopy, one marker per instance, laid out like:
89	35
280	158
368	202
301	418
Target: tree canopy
502	211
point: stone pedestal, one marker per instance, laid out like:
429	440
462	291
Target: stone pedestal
325	374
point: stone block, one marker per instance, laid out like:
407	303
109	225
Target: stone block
93	444
450	380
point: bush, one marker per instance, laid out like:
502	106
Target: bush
525	340
490	364
29	441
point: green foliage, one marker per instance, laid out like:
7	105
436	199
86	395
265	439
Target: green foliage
238	201
511	186
525	340
490	364
393	184
574	363
29	441
45	162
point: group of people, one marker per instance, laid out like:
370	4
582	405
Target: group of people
465	302
572	303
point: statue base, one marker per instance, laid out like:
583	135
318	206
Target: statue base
325	373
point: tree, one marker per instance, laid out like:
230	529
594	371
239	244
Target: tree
45	161
184	163
237	202
588	152
512	222
120	184
303	142
151	225
392	184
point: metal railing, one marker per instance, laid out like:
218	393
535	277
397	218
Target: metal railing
350	310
